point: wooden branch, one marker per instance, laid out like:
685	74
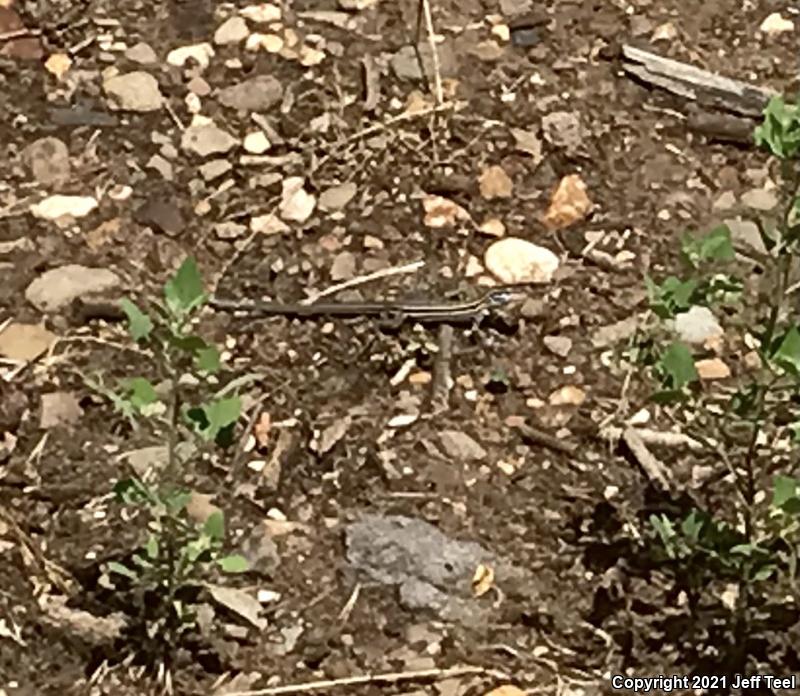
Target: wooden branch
689	82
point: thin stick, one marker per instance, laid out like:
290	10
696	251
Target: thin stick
442	371
657	472
174	116
655	438
361	280
537	437
19	33
384	125
347	609
384	678
437	75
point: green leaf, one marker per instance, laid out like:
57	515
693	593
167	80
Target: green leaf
141	392
213	418
214	526
788	353
188	344
673	295
764	573
677	365
151	547
780	131
714	246
745	550
692	525
119	569
184	291
139	324
233	564
132	491
784	491
208	360
665	397
176	500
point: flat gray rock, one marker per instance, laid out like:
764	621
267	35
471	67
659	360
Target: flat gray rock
57	288
48	161
207	140
256	94
135	91
431	570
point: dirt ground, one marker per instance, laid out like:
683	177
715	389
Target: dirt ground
591	606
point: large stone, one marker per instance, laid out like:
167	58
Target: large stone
48	161
135	91
259	93
57	288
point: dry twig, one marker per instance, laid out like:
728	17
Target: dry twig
657	472
384	678
361	280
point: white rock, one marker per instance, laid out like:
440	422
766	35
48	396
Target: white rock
58	206
202	53
56	288
337	197
460	446
207	139
231	31
141	53
268	224
697	325
229	230
263	13
256	143
296	203
776	24
513	260
760	199
135	91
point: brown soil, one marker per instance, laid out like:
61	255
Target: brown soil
597	606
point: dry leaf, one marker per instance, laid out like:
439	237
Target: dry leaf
25	342
102	234
200	508
240	603
529	143
568	395
418	103
482	580
495	183
58	64
262	429
442	212
569	204
712	368
59	408
330	436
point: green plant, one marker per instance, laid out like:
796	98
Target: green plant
749	540
178	553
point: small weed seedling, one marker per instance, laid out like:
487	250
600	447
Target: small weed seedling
754	536
177	552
